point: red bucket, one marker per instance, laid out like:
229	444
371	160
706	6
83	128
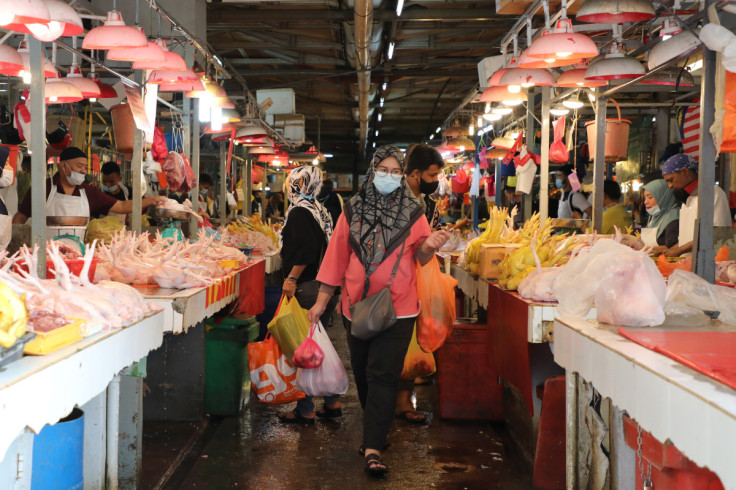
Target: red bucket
75	267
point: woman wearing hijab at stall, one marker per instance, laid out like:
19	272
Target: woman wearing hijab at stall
304	238
383	227
663	227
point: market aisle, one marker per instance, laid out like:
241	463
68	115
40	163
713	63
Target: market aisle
256	451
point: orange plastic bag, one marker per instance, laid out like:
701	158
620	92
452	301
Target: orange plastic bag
729	118
558	151
666	267
436	294
272	376
417	363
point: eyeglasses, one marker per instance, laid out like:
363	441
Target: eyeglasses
383	171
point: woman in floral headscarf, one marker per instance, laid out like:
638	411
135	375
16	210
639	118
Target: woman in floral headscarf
304	238
382	225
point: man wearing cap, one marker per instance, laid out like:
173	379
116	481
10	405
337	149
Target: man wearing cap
681	174
67	194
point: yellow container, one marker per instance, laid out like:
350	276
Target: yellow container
228	264
46	342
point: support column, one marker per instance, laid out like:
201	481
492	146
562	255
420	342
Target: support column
544	168
222	198
113	430
248	186
704	255
599	163
136	164
499	182
528	198
194	194
38	155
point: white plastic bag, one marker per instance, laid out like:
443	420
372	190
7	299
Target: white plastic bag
624	284
328	379
689	295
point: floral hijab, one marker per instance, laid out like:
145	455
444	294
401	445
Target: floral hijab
380	223
304	185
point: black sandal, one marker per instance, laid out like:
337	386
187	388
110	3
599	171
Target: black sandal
375	466
329	413
296	419
361	449
419	418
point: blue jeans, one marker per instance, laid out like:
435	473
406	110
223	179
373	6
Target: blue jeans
305	406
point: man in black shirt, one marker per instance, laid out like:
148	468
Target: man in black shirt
112	184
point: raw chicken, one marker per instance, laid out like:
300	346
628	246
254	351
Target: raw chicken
185	207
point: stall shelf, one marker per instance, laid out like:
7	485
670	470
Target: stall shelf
185	308
667	399
35	391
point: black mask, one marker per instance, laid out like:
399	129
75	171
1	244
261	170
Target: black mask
681	194
428	188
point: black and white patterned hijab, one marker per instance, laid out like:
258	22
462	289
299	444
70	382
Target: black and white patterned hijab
304	185
380	223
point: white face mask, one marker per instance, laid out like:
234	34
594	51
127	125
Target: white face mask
75	178
110	189
653	211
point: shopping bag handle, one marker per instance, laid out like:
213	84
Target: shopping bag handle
281	302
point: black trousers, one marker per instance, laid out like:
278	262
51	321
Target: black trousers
377	364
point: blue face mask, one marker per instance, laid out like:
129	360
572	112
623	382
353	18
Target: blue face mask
559	183
386	184
653	211
110	190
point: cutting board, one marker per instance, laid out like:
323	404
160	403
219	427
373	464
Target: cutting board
709	353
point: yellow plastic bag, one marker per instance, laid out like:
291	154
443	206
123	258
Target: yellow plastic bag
103	229
290	326
417	363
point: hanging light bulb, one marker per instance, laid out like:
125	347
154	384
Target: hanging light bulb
376	133
503	111
315	161
480	121
26	12
572	104
492	117
514	89
380	116
471	128
216	118
559	111
380	103
63	21
487	108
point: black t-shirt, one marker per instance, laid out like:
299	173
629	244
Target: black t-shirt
671	234
304	244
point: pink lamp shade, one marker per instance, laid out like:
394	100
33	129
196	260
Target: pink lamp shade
226	128
500	94
673	76
152	53
496	77
63	21
89	88
563	44
614	66
181	87
172	76
61	92
525	61
250	133
576	78
172	61
49	70
615	11
17	12
528	77
261	150
106	91
114	34
11	63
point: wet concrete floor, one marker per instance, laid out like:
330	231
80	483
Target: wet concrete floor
257	451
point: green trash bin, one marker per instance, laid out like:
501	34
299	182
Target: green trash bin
227	377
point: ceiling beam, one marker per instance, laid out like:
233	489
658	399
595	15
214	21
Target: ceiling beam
219	17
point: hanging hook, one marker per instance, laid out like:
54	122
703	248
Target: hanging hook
137	12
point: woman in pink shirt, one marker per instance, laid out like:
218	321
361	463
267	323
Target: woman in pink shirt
382	225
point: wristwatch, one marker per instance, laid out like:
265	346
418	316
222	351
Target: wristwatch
293	278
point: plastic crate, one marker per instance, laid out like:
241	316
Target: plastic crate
15	351
46	342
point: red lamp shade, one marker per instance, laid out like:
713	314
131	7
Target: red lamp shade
181	87
496	77
152	53
11	63
501	94
89	89
106	91
171	61
61	92
16	12
114	34
528	77
563	44
49	70
159	77
525	61
250	133
63	21
615	11
576	78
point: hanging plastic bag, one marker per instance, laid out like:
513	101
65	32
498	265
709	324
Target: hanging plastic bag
436	294
328	379
417	363
308	355
271	374
557	151
190	180
173	167
158	148
729	118
290	326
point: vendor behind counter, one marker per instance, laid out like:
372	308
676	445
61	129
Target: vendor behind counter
68	195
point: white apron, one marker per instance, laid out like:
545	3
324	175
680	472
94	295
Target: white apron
66	205
649	237
121	217
6	230
688	215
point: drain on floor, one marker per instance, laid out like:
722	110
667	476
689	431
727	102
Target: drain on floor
453	467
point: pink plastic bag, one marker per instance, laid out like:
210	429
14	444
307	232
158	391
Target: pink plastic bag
308	355
557	150
173	167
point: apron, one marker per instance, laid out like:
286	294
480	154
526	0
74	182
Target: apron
649	237
66	205
688	215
